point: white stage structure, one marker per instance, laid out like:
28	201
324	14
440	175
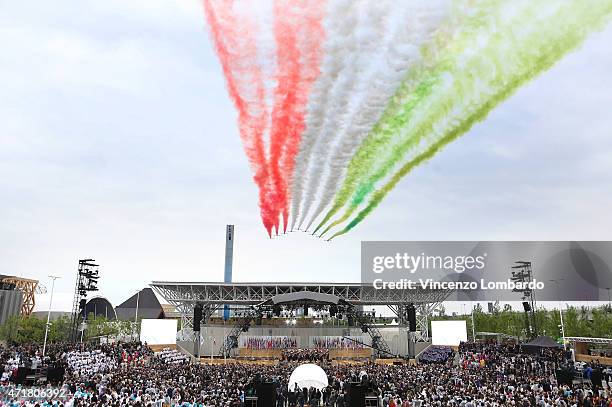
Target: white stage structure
449	333
158	331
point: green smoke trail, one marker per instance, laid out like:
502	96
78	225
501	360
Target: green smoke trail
556	33
472	17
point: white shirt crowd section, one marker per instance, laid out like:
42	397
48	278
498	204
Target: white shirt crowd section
172	356
89	362
10	365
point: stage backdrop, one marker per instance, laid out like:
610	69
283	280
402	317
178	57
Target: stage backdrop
158	331
449	333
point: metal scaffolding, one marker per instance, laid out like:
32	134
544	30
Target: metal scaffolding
86	281
29	288
600	341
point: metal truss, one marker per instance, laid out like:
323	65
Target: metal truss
603	341
378	341
28	287
424	312
255	293
242	325
186	332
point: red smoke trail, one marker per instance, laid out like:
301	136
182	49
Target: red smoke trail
299	34
288	75
234	42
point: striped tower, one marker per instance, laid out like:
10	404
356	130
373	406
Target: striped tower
229	257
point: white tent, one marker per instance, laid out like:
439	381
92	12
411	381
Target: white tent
308	376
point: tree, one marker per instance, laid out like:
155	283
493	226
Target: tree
8	331
26	330
125	328
59	330
98	325
31	330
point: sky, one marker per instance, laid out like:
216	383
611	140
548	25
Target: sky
119	143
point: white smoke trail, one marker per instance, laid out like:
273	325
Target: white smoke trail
414	27
359	55
339	23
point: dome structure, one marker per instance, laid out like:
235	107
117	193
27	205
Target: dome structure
101	307
308	375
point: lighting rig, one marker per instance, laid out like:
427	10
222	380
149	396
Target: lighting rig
87	281
523	273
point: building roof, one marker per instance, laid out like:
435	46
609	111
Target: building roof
100	306
149	306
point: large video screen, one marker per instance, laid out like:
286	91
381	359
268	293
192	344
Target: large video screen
158	331
449	333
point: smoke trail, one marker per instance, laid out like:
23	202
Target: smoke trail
516	54
413	27
232	36
340	24
468	17
299	34
313	54
283	120
330	66
364	47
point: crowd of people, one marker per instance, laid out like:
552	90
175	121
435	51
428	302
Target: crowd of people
90	361
305	355
87	360
477	376
436	354
172	356
269	342
338	342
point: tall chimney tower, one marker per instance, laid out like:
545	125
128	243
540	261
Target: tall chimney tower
229	259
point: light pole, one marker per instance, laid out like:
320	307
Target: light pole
48	315
609	302
473	327
562	326
136	315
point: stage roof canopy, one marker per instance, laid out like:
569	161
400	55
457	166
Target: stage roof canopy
184	293
303	297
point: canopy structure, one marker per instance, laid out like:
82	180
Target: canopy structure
541	342
305	297
308	375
